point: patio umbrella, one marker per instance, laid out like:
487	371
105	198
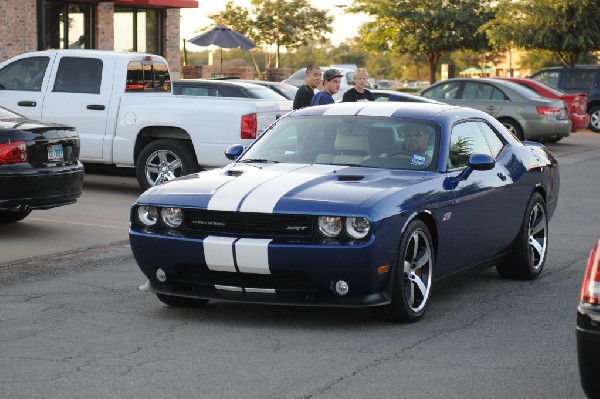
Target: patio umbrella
223	37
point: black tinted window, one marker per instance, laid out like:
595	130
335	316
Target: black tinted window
579	80
78	75
147	77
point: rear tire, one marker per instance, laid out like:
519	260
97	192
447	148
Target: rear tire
529	255
12	217
514	128
413	277
164	160
180	301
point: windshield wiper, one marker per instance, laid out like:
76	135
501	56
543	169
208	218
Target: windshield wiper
257	160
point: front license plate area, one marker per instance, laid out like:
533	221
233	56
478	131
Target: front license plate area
55	152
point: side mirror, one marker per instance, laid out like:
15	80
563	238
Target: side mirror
481	162
233	152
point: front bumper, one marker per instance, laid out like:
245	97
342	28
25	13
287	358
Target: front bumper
588	348
294	273
40	188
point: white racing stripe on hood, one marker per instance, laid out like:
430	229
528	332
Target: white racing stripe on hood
229	195
264	198
252	255
218	253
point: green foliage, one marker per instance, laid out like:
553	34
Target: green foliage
570	29
424	27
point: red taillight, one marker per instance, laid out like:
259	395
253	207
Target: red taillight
548	110
580	104
590	289
15	152
249	126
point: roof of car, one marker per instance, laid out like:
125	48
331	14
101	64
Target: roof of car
245	84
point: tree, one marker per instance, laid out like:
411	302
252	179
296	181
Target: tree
280	23
424	27
570	29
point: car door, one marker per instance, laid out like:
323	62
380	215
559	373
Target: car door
482	200
79	95
483	96
23	84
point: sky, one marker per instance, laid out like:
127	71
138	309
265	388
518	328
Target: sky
344	26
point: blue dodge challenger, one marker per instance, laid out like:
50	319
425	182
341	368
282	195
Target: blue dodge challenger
353	204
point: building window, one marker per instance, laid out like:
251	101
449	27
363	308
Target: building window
68	25
138	29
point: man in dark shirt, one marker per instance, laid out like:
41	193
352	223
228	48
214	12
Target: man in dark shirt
306	92
359	91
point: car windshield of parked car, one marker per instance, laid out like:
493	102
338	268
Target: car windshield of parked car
390	143
263	93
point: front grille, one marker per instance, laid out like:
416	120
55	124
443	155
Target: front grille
256	224
289	281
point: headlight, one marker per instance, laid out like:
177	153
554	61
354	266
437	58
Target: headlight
148	215
171	217
330	226
357	228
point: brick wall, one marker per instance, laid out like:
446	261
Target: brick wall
18	30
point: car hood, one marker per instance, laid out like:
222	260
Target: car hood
272	188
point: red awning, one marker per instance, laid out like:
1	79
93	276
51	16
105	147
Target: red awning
159	3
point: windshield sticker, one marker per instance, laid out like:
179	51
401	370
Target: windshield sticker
418	160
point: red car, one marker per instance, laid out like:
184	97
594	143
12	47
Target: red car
576	102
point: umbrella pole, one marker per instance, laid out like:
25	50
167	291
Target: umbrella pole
221	61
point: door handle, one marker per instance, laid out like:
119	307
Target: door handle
27	103
96	107
501	176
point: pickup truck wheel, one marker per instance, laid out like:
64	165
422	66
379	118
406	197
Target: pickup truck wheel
164	160
595	119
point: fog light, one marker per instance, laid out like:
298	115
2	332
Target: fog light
161	275
341	288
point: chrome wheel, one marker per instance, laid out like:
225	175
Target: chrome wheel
417	271
595	119
538	239
162	166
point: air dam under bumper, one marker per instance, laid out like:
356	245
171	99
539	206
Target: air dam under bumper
269	272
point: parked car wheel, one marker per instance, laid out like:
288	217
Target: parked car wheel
595	119
513	127
529	256
12	217
178	301
413	277
164	160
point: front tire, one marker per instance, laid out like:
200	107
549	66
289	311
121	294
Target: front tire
529	255
413	276
595	119
164	160
180	301
12	217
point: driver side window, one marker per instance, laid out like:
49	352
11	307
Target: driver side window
26	74
466	139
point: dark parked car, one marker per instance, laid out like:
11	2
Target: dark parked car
283	89
576	102
354	204
526	114
588	326
39	166
580	78
224	88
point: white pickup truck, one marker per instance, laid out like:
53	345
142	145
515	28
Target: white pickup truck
123	107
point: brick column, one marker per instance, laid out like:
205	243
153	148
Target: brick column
105	26
170	41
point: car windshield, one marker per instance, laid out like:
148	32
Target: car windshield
390	143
